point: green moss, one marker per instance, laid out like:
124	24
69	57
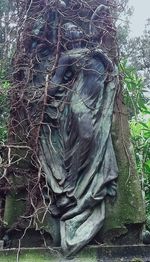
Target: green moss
27	257
14	207
45	255
128	207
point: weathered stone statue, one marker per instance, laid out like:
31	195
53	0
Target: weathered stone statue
64	122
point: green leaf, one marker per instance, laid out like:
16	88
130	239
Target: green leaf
144	124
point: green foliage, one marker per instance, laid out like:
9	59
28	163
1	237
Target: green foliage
139	110
137	51
8	32
140	132
4	109
133	90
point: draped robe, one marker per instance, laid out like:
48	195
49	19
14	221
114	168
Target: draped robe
76	148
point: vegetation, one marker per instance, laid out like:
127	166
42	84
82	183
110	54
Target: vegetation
139	115
4	108
140	131
135	72
8	30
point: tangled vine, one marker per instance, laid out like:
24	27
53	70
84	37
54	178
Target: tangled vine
47	28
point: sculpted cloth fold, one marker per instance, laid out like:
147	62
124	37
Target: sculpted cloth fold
76	148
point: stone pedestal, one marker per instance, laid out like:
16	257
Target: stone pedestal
125	216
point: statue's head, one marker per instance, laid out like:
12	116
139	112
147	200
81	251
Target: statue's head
73	35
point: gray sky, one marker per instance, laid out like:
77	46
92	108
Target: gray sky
141	13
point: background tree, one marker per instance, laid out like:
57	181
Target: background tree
135	74
9	20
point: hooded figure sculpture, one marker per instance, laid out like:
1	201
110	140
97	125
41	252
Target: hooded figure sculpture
76	149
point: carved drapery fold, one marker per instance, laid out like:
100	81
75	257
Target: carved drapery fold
76	148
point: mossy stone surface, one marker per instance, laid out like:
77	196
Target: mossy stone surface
46	255
103	253
15	206
128	207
